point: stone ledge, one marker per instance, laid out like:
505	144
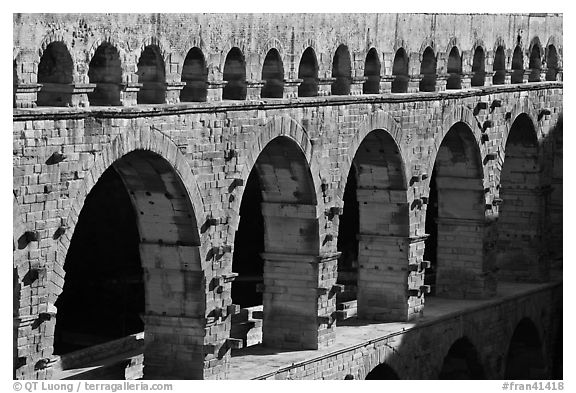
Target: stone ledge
57	113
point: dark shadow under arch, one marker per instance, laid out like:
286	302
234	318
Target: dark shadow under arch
235	75
55	74
461	362
151	73
195	75
400	72
136	233
517	66
499	67
273	75
382	371
428	70
372	73
105	70
342	71
308	72
454	70
525	359
478	70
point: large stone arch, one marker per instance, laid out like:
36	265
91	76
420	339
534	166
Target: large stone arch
455	115
131	140
281	171
288	127
165	50
456	211
378	120
159	182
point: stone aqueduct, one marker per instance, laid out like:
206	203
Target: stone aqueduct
174	174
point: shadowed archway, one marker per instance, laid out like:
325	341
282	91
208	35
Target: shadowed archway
525	359
461	362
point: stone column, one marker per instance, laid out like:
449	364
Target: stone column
129	93
466	80
386	84
297	314
414	83
383	255
441	82
174	320
463	272
25	95
291	88
488	77
325	86
254	89
357	85
215	89
173	91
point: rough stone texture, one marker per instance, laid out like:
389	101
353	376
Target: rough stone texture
301	148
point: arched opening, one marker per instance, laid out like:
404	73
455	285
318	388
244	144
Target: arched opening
103	294
235	75
428	70
273	75
454	69
247	262
461	362
372	73
400	72
378	216
455	218
133	265
382	371
478	72
517	66
551	63
342	71
499	67
105	70
308	72
525	358
151	74
347	245
195	75
55	76
535	64
519	215
278	217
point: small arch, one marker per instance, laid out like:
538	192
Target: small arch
381	372
525	358
151	73
54	73
308	72
372	73
461	362
235	75
195	76
428	70
342	71
535	64
478	67
517	66
454	69
273	75
551	63
105	70
499	67
400	72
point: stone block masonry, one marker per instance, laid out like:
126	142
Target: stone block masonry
454	160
